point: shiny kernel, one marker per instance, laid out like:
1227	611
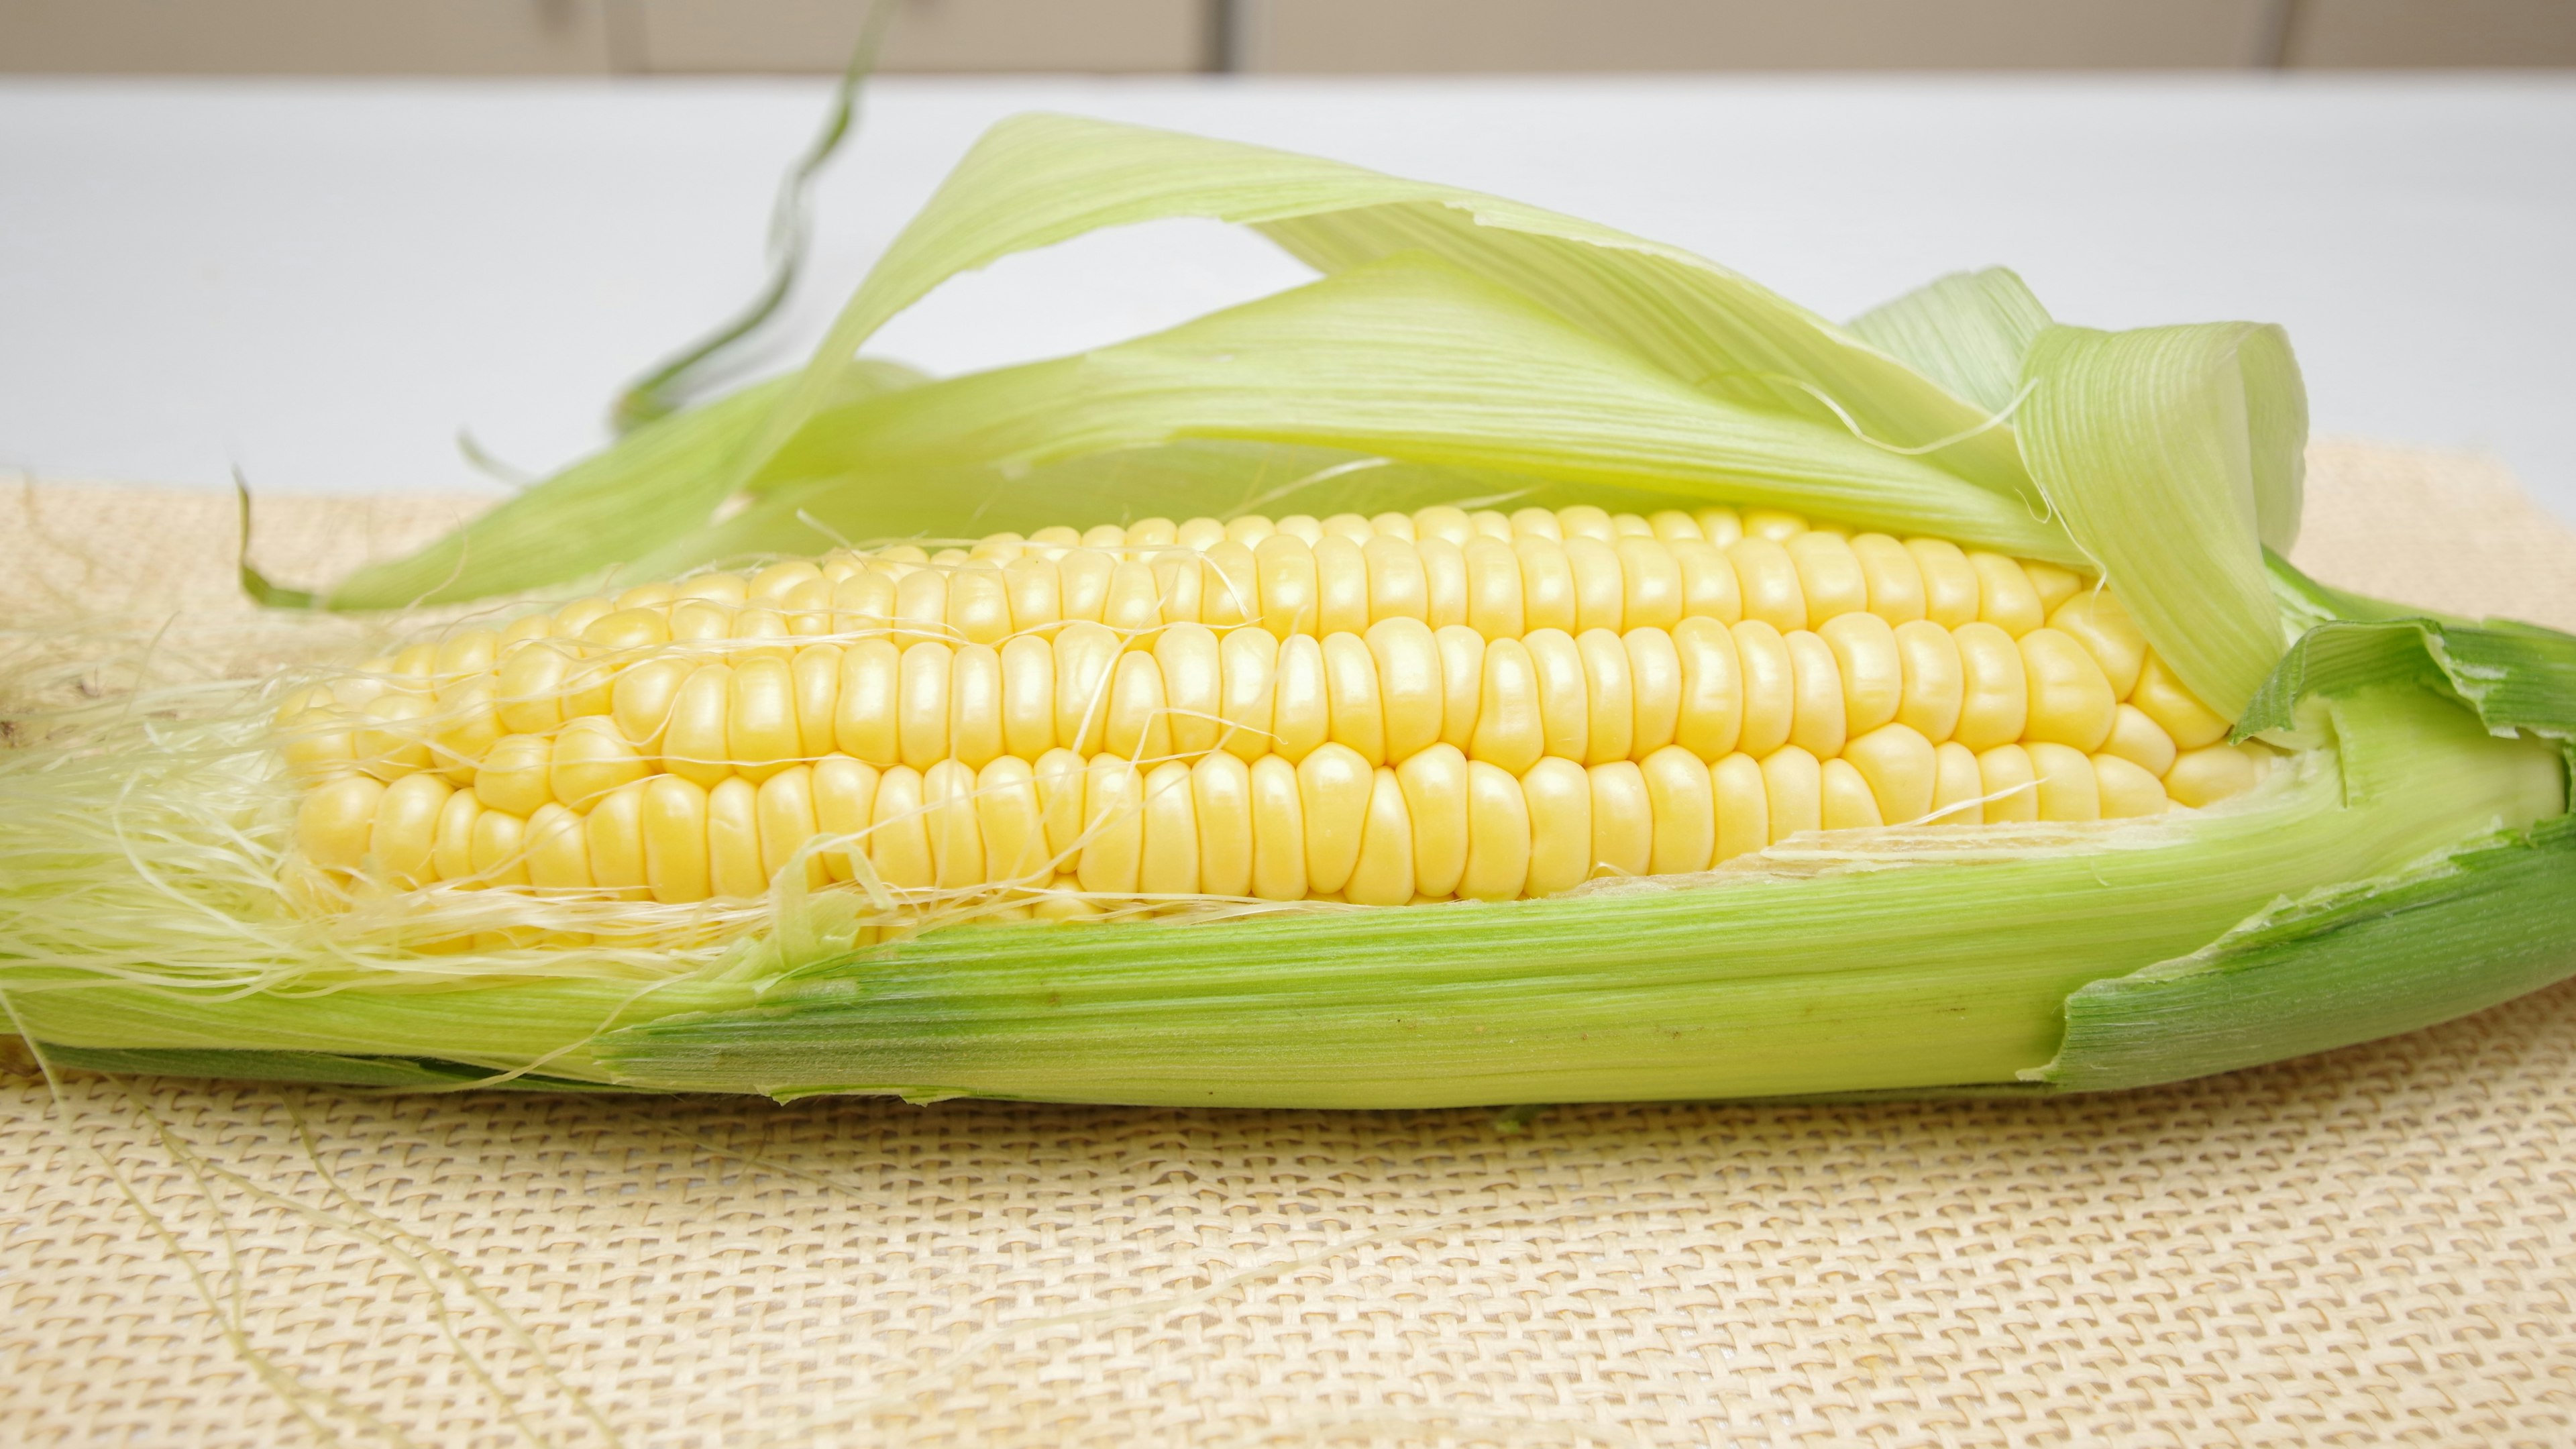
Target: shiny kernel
2068	789
2070	701
513	776
1902	770
589	760
1382	871
334	821
1844	798
2164	699
2216	772
2128	791
1558	794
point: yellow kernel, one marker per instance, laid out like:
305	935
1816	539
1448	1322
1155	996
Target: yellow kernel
1793	782
1651	582
1902	769
1351	697
1221	802
1392	580
2128	790
500	855
761	736
2067	787
1565	715
693	743
1247	678
389	744
2213	773
2011	784
589	760
1934	679
1829	575
1493	588
614	834
1333	785
1410	689
2070	702
1278	830
956	835
1951	591
1285	570
1684	810
334	820
1444	582
558	850
1382	869
2164	699
1180	579
1138	723
1742	807
1844	800
1994	691
845	802
1958	784
451	852
898	837
1558	796
1769	684
1547	583
1818	726
2005	597
1894	579
1300	707
1872	668
1768	580
1435	783
513	775
1623	820
1600	587
640	702
1710	589
404	835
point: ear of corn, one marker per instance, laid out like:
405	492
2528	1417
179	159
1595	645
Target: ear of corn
1438	705
1617	778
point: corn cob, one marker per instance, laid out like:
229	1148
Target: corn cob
1385	710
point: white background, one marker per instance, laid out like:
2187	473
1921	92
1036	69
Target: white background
323	282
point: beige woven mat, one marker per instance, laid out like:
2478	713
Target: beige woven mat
2373	1246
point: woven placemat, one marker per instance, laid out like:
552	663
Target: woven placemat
2371	1246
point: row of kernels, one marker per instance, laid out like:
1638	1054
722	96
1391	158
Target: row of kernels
1582	568
1593	698
1500	587
1388	695
1439	826
1719	525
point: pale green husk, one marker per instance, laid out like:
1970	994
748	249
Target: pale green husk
2413	861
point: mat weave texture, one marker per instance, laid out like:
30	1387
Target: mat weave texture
2373	1246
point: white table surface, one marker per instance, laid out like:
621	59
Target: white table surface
322	283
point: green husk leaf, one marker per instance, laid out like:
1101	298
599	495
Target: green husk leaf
663	390
2518	678
2351	963
1218	477
1411	358
1036	180
657	483
1968	331
2172	456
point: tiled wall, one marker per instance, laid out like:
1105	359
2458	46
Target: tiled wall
492	37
